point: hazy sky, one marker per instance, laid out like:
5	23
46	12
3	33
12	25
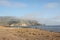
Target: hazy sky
46	11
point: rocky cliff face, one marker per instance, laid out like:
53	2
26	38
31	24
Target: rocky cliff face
12	21
25	23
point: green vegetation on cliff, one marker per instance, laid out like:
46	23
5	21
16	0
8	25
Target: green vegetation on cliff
13	21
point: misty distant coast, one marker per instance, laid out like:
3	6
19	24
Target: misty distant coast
14	21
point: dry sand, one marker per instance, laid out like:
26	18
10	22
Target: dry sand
27	34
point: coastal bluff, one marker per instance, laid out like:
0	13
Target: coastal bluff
14	21
27	34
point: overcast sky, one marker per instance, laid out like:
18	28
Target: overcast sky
45	11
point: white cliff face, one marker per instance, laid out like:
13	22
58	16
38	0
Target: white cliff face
12	25
24	25
18	25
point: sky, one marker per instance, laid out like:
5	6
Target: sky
45	11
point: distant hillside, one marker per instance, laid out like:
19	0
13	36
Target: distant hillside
14	21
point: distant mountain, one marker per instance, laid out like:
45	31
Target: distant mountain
14	21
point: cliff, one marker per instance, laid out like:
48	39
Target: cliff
14	21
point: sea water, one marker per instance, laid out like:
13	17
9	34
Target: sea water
48	28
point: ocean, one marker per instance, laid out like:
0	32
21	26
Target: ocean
48	28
